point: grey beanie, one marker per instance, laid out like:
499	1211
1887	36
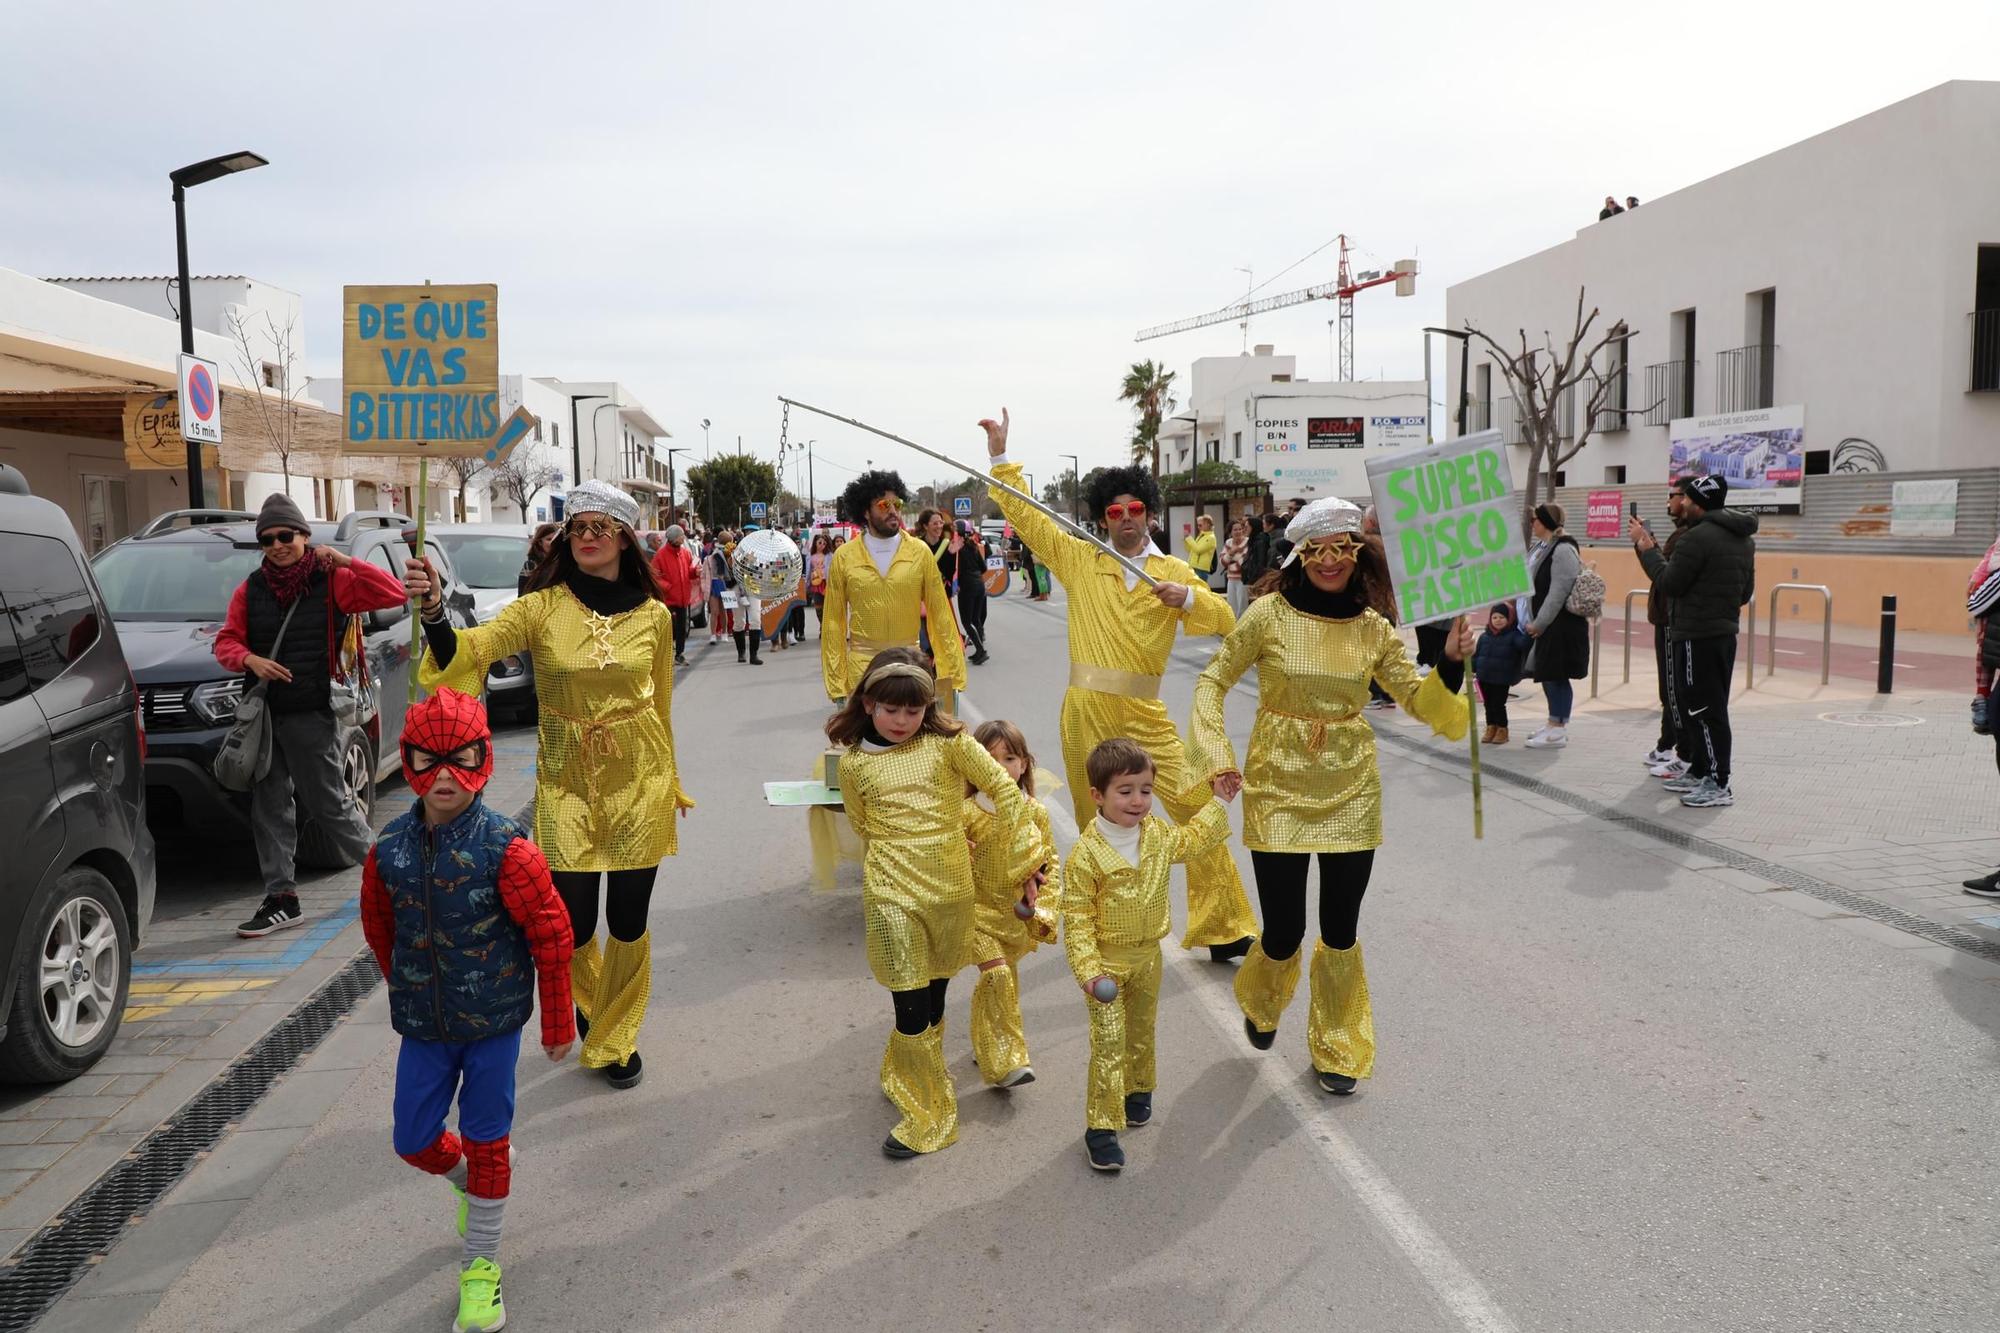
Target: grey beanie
675	534
281	511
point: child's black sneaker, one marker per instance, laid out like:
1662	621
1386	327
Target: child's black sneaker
1261	1040
1340	1085
626	1075
1102	1146
1138	1109
896	1148
279	911
1222	953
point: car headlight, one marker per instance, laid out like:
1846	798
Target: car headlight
215	703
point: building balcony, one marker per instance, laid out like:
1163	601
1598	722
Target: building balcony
1985	352
1745	378
1670	391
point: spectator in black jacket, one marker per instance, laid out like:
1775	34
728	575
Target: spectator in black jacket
1711	576
1674	755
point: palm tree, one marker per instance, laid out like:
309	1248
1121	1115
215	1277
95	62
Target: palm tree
1149	388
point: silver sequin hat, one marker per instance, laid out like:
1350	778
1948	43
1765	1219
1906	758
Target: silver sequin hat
601	497
1328	517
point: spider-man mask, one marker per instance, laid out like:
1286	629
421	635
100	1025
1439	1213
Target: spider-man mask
447	731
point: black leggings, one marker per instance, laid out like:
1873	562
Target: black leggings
627	895
1281	893
920	1010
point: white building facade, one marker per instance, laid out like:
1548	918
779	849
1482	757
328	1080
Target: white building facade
1853	277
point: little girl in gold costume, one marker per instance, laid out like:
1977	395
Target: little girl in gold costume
904	787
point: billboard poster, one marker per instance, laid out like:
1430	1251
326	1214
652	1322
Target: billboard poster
1603	511
1761	453
1333	432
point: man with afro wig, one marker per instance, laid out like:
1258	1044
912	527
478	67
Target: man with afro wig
879	590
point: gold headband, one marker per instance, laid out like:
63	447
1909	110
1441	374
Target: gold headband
910	669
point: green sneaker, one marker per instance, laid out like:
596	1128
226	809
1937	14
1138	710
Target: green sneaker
479	1307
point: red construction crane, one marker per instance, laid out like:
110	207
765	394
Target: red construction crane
1343	288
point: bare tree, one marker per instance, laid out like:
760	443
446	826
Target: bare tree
524	476
277	385
462	469
1548	386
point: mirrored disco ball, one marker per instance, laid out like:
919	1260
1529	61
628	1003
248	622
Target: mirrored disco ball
768	565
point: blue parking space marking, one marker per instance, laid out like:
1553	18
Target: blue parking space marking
309	940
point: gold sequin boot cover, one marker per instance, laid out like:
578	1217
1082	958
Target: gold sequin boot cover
998	1041
586	964
624	984
1265	986
1341	1032
920	1086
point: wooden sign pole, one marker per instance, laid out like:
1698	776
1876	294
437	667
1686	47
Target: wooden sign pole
417	611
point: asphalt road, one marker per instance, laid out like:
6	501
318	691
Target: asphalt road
1615	1091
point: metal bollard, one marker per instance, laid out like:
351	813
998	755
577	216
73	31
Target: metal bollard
1885	661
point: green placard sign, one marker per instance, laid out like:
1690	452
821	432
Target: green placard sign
1451	527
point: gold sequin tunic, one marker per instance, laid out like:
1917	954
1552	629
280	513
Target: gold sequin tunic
999	869
607	793
867	611
1112	907
1311	783
908	801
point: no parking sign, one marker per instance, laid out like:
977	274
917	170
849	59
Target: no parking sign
200	400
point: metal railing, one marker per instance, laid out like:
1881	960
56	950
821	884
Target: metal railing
1985	352
1596	650
1744	378
1647	593
1670	388
1825	632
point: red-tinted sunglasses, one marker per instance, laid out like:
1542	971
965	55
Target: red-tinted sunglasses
1115	511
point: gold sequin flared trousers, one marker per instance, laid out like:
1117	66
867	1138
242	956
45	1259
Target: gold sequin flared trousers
1264	987
1341	1033
916	1080
618	1001
1121	1035
999	1042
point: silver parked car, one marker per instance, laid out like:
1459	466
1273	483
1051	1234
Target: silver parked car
488	558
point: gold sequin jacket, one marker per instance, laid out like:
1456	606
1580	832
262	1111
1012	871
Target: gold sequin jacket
866	612
1000	868
607	792
1311	783
1111	904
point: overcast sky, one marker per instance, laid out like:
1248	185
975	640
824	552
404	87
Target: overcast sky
911	214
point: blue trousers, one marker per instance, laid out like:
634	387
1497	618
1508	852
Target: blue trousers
479	1073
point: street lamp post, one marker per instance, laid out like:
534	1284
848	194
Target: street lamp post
812	491
198	173
576	438
683	449
1464	369
1075	484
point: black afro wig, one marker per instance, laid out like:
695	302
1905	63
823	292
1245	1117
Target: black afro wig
865	490
1111	483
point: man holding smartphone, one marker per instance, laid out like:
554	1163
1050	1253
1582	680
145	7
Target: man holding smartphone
1670	758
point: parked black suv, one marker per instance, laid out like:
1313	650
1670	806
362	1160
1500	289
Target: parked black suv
77	880
168	586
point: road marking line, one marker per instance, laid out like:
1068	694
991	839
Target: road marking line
1451	1282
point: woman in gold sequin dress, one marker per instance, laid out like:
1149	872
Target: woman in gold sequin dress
606	787
903	783
1320	630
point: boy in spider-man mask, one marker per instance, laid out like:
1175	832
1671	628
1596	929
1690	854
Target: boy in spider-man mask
459	908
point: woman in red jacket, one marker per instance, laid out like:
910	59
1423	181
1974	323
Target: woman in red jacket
283	629
673	566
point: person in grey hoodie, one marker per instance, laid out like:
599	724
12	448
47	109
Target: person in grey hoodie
1710	577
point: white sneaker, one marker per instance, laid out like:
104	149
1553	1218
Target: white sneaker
1656	757
1673	768
1553	738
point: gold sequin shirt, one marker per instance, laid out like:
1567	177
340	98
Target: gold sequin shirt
1111	904
999	870
908	801
867	611
1311	783
607	793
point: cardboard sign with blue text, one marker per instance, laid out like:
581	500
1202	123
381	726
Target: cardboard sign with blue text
1451	527
420	369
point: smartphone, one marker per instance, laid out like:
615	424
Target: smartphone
1635	509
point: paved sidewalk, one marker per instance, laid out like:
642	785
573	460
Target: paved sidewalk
200	998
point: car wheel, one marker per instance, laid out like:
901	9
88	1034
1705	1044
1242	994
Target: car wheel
71	983
316	851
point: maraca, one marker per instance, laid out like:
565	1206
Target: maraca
1105	989
1022	910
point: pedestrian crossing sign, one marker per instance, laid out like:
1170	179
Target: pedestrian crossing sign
962	506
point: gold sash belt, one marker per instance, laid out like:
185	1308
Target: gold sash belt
598	740
1315	738
1110	680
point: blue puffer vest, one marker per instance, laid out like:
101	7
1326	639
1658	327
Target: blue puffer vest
461	969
